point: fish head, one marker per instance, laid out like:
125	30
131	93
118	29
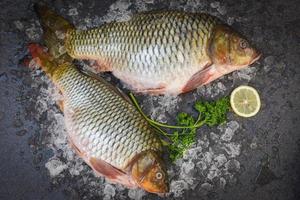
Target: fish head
149	172
230	49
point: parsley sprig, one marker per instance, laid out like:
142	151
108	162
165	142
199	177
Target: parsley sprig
209	113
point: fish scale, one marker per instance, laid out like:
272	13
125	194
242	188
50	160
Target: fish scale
101	122
140	45
157	52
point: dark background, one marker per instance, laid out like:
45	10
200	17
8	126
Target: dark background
269	170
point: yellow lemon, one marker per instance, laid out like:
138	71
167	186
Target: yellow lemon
245	101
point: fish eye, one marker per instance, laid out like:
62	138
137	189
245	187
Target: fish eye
158	175
243	44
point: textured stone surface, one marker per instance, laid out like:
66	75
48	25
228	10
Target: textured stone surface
256	158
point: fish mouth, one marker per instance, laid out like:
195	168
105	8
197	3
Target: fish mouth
256	56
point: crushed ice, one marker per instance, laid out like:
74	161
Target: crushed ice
245	74
136	194
55	167
213	157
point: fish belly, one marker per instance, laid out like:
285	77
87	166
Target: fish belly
152	52
102	124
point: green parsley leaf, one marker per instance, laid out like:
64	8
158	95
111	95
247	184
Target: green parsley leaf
213	113
210	113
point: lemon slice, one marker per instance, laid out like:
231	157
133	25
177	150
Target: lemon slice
245	101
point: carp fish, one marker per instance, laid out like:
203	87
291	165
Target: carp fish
157	52
105	128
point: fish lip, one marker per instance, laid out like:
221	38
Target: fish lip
255	58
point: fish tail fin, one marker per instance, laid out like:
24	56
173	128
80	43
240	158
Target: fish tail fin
42	58
47	62
55	29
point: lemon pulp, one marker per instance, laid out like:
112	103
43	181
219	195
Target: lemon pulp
245	101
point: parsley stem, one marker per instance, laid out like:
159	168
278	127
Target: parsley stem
151	121
133	99
198	124
161	131
168	126
199	118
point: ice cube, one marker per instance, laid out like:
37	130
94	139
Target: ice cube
169	103
234	125
253	144
213	89
213	172
220	160
149	1
215	4
203	142
214	136
232	166
201	90
222	182
76	168
136	194
33	32
187	174
246	73
230	20
73	12
232	149
227	136
120	5
19	25
222	10
221	87
55	167
187	168
208	157
201	165
192	153
207	186
231	127
178	187
109	191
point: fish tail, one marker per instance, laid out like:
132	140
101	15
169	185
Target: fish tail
55	29
47	62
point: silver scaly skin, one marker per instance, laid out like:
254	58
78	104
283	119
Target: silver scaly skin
148	51
101	123
162	52
105	128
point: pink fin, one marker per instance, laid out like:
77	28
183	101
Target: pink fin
153	91
200	78
60	104
103	168
100	66
77	150
111	173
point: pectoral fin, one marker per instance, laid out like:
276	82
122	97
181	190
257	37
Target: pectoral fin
202	77
60	104
102	168
101	66
153	91
111	173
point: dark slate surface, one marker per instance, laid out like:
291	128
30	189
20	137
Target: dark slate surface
269	162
